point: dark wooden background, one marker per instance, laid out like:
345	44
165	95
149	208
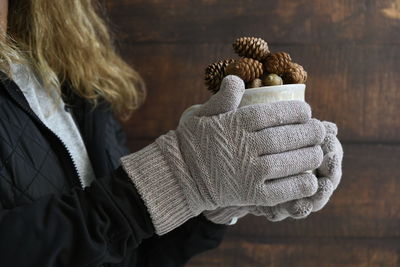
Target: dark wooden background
351	52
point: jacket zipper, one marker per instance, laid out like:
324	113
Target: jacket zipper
74	169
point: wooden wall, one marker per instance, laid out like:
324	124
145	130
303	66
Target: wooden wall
351	52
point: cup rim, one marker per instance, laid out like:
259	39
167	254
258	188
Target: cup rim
293	86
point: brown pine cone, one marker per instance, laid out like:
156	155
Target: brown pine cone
246	68
277	63
295	74
251	47
214	73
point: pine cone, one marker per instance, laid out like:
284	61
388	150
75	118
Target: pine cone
214	74
295	74
246	68
277	63
251	47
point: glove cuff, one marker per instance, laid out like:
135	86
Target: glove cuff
157	185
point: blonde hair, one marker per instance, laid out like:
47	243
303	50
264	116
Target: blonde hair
68	41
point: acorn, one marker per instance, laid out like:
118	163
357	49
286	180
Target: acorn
272	79
255	83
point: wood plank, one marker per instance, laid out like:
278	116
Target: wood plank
366	203
355	86
302	252
288	22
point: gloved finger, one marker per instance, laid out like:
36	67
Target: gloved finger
288	137
324	192
331	144
288	163
226	99
287	189
188	113
301	208
259	116
297	209
331	168
270	213
330	128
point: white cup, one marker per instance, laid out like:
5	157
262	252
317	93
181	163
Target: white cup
269	94
266	94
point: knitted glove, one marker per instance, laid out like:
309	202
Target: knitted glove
222	155
329	175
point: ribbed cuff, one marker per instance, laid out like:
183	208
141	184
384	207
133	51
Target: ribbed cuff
158	187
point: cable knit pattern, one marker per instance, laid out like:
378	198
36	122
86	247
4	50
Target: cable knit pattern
329	174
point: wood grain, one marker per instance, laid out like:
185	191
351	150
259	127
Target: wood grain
301	252
284	22
355	86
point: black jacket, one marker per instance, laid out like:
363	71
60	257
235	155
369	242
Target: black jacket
46	219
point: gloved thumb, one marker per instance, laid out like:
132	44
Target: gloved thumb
226	99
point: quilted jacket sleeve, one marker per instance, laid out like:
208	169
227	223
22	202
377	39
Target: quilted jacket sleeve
178	246
75	229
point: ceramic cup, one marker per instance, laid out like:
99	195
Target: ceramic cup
266	94
269	94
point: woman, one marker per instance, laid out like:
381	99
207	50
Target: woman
71	193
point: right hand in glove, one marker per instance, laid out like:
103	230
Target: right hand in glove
329	175
222	155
